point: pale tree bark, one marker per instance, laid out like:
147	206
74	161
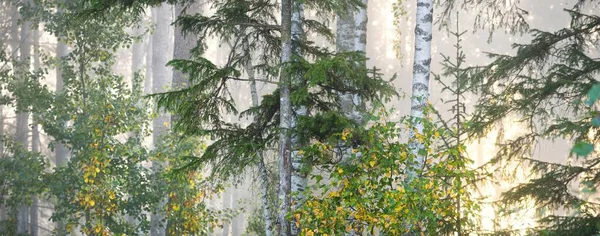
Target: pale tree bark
35	137
352	36
360	25
421	72
298	177
285	123
160	42
14	46
227	204
137	54
148	72
262	167
420	82
61	152
22	135
183	44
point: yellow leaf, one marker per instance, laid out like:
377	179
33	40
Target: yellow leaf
92	203
297	217
372	163
340	171
166	124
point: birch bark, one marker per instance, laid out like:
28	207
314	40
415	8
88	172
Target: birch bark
22	135
160	42
421	72
285	112
298	178
262	167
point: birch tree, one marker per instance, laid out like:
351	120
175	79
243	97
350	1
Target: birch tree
298	176
35	136
61	152
160	41
22	135
421	72
262	166
285	119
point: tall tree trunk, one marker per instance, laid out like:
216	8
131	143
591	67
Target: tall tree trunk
420	82
148	74
298	178
61	153
35	136
227	204
262	167
14	45
22	135
352	36
285	123
160	41
183	44
421	71
137	55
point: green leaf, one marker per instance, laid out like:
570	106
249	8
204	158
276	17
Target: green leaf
593	95
582	148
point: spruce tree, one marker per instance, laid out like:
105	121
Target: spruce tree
548	85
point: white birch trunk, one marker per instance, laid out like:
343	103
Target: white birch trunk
298	178
183	44
137	55
148	74
22	135
352	36
262	168
421	72
160	42
35	138
285	121
420	83
60	151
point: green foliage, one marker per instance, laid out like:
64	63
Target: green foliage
17	186
188	193
547	85
368	194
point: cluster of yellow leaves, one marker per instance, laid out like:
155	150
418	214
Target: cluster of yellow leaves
92	168
185	215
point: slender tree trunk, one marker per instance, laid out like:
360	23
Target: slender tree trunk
35	137
262	167
420	83
14	45
23	117
61	152
183	44
298	178
137	55
148	74
352	36
360	25
285	121
227	204
421	71
160	41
